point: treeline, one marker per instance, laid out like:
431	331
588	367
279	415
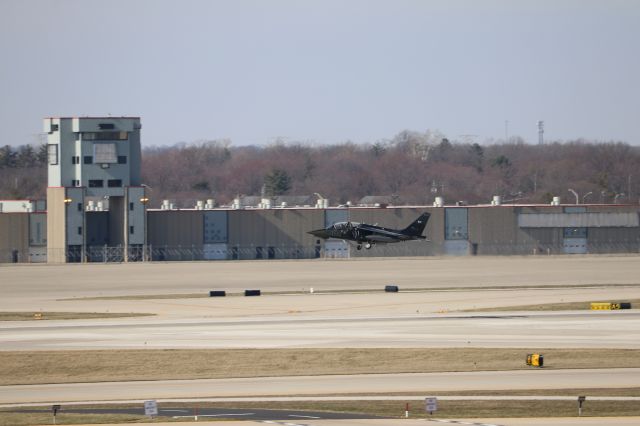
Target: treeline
411	168
23	172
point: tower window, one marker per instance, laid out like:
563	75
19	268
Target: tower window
96	183
105	136
131	206
79	207
88	159
114	183
75	160
106	126
131	229
52	154
122	159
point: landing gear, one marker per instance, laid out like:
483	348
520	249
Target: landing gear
366	245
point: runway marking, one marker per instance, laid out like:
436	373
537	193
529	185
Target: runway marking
282	423
305	417
460	422
215	415
223	415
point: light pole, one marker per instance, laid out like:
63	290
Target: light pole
144	200
576	195
584	197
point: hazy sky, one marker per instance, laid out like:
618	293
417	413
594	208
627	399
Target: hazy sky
324	70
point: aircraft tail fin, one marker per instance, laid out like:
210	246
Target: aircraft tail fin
417	227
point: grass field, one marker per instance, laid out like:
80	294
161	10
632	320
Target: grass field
237	293
39	316
122	365
569	306
446	409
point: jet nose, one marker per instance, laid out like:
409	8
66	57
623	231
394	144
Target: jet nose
320	233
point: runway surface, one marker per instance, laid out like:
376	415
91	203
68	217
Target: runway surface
211	413
30	284
525	330
426	313
319	385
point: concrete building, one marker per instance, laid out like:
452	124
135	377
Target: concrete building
281	233
23	231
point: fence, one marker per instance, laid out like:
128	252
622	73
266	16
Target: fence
139	253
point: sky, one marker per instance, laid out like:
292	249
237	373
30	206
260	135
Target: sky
324	71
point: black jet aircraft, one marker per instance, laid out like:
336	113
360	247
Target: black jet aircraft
369	235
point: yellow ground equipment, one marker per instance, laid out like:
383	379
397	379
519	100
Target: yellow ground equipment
535	360
599	306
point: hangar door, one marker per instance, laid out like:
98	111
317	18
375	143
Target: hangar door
215	235
456	231
574	239
336	248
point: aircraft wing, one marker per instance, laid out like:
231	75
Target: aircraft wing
380	231
382	235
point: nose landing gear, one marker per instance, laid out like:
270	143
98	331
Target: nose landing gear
366	245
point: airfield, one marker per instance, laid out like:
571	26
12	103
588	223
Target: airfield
443	302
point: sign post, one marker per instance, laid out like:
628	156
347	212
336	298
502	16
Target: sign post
581	400
55	409
151	408
431	405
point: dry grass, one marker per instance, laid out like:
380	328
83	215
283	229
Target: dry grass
466	409
39	316
569	306
8	418
460	409
123	365
344	290
527	392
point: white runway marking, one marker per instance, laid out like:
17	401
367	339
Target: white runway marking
459	422
216	415
282	423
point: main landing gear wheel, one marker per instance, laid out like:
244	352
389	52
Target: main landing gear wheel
368	246
359	247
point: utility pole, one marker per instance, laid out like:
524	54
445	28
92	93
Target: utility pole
540	132
506	131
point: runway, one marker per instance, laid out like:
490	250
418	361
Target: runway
507	330
322	385
426	313
27	285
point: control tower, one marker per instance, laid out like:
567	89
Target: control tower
95	200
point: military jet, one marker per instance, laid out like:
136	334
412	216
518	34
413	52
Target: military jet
369	235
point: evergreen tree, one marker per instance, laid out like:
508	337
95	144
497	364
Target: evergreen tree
277	182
